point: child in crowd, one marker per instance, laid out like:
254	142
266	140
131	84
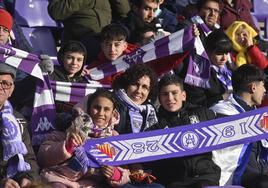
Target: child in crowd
67	170
188	172
246	50
72	57
113	45
218	46
100	123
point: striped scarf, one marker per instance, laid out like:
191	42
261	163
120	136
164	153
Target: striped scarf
43	117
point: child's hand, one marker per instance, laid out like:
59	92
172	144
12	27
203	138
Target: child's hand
196	32
245	39
85	71
108	171
76	138
72	140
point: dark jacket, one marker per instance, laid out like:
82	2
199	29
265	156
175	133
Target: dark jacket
191	171
206	97
134	23
83	18
33	174
168	20
60	75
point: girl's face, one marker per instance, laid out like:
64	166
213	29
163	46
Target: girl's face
219	59
73	62
138	92
101	111
241	35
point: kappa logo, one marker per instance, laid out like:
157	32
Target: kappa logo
44	125
194	119
190	140
134	57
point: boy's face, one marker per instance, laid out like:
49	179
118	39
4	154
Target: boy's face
101	111
73	62
4	34
219	59
147	10
258	91
171	97
113	49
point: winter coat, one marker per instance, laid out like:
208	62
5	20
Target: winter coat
56	168
83	18
256	56
241	11
190	171
29	157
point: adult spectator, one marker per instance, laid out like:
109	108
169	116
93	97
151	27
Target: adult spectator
18	166
143	12
134	90
83	19
243	164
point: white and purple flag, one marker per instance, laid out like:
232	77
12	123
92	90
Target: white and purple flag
43	116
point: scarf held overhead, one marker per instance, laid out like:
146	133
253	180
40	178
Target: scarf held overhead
179	141
43	117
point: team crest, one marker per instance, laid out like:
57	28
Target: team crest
107	149
134	57
190	140
194	119
264	121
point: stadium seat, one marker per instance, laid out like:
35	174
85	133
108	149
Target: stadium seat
33	13
260	9
41	40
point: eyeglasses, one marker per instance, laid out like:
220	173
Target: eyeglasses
211	10
5	84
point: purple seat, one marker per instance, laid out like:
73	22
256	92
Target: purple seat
33	13
260	9
41	40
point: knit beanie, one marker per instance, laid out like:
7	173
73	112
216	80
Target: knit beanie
6	19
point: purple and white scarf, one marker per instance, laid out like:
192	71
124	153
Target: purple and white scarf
13	147
225	77
198	71
43	117
136	118
74	92
178	42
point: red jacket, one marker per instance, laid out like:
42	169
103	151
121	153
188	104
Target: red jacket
256	56
160	66
239	12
